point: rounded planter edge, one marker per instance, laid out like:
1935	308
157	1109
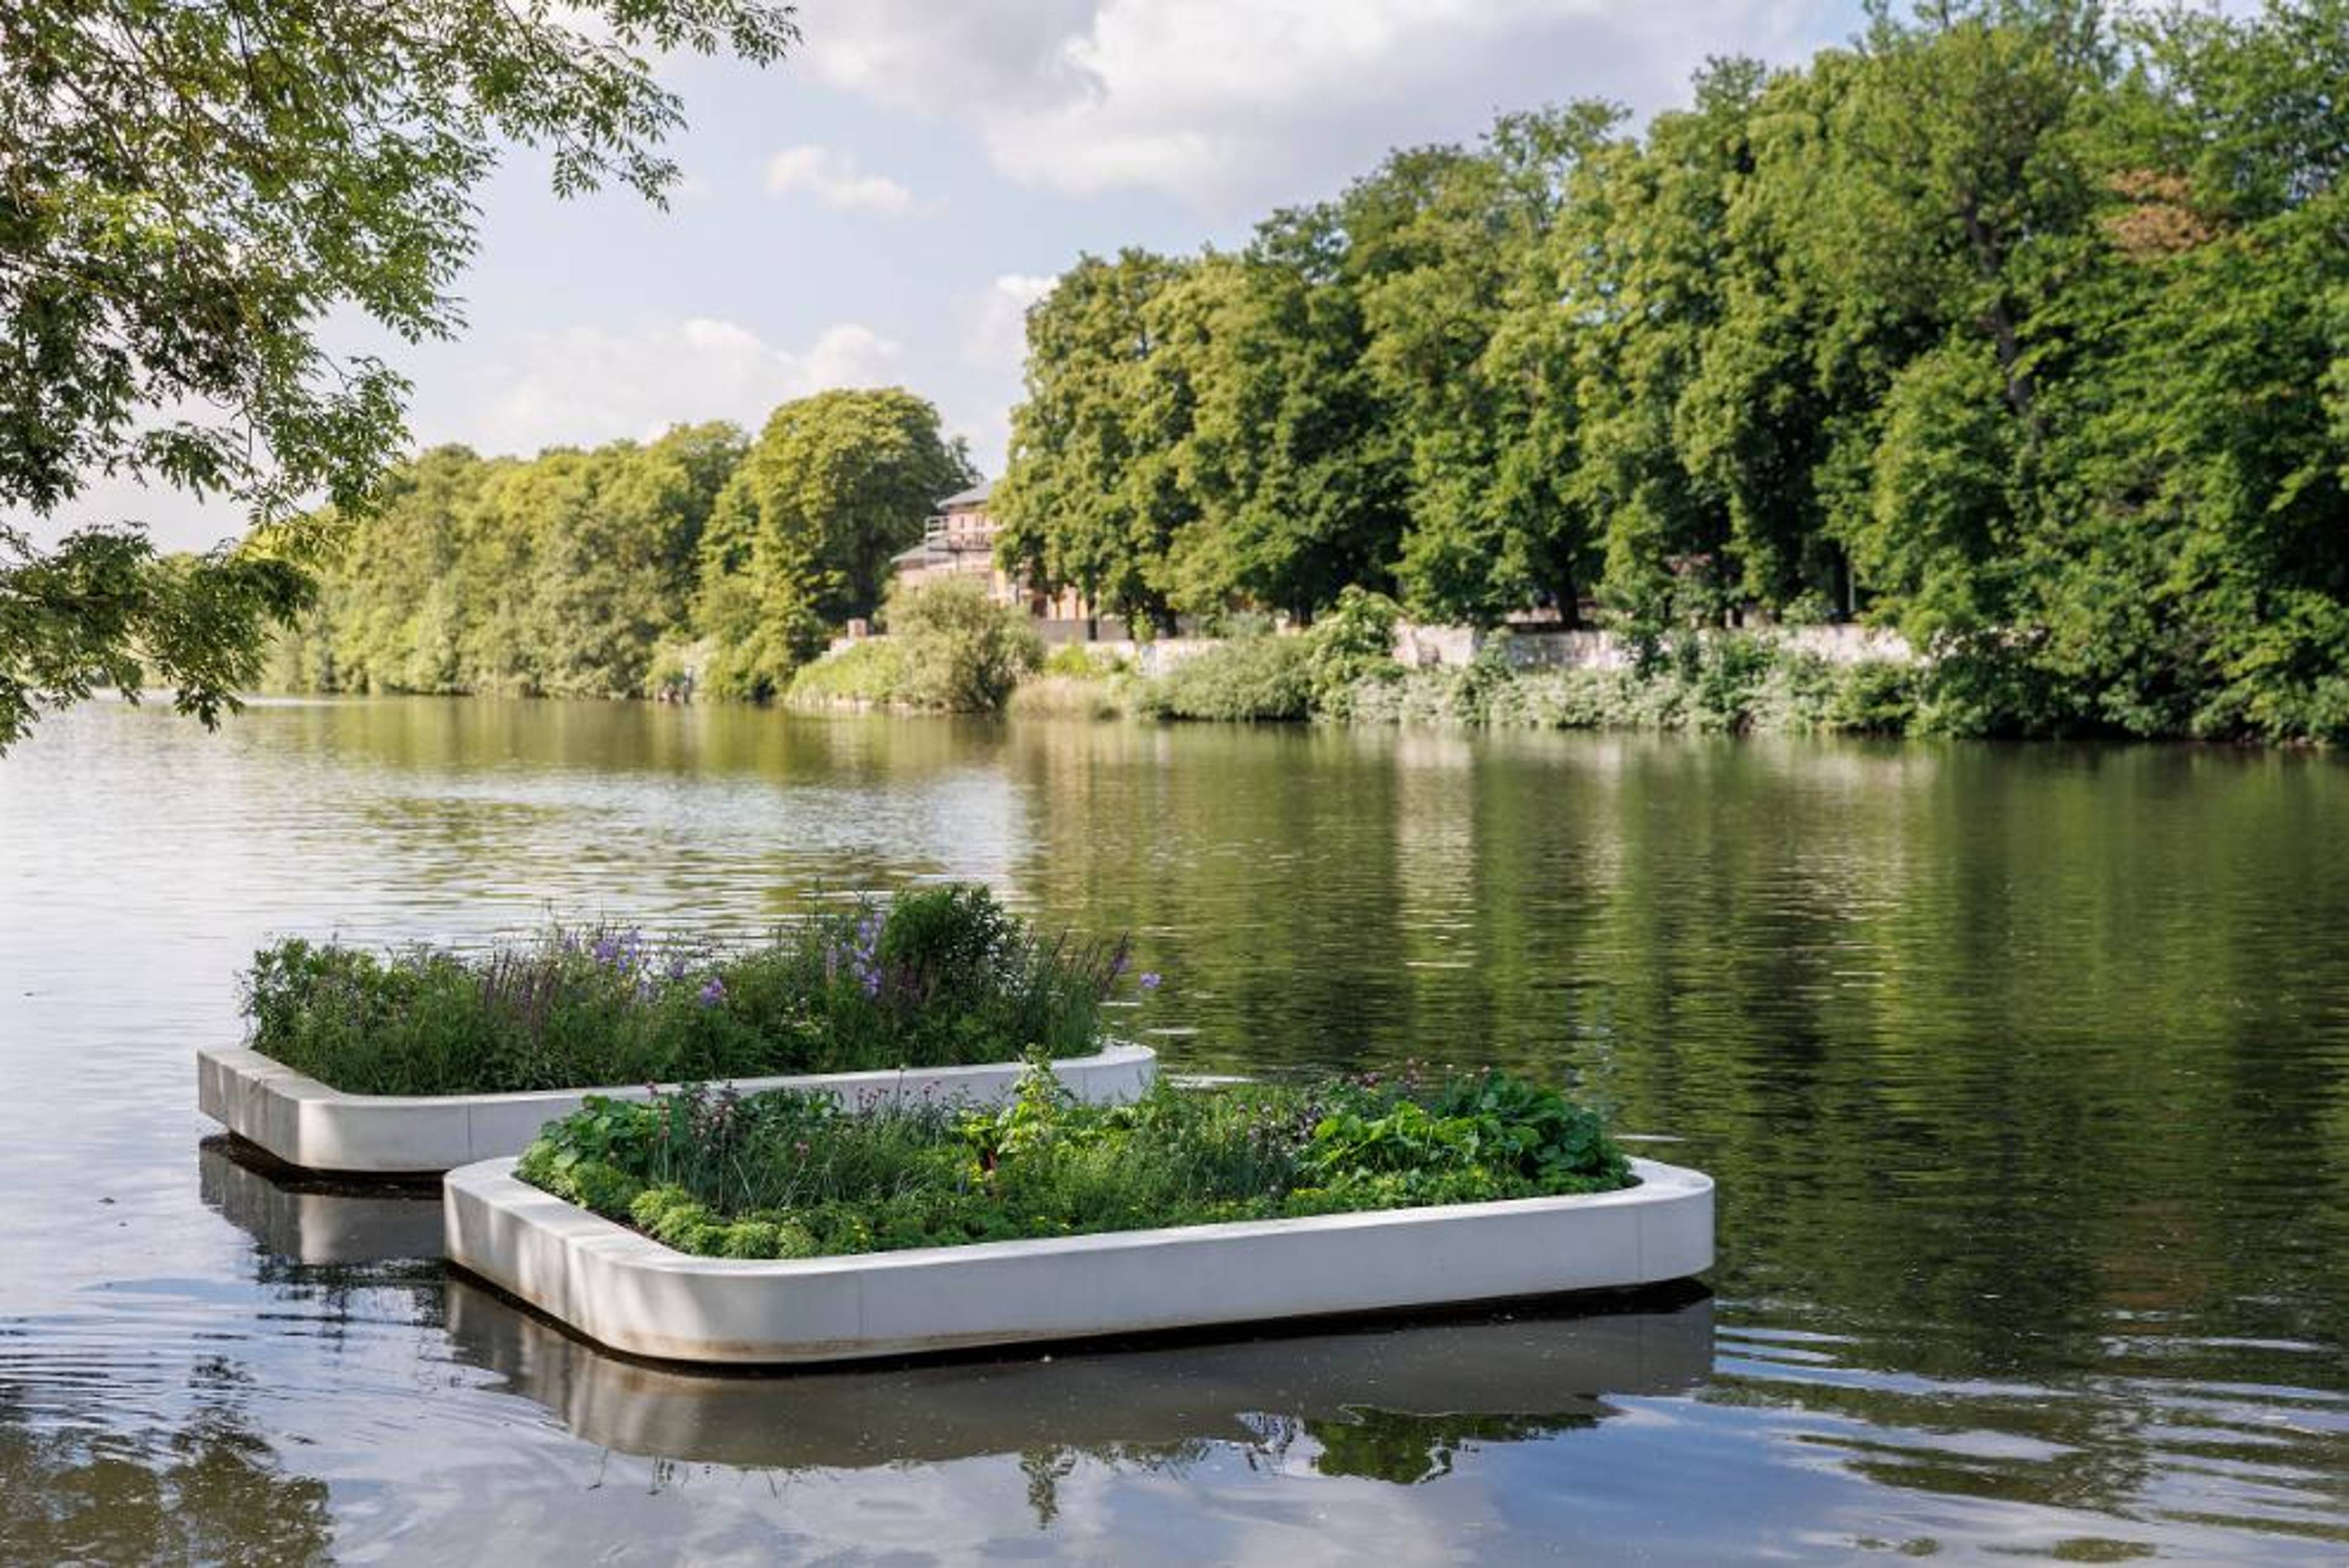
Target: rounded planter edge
627	1293
306	1124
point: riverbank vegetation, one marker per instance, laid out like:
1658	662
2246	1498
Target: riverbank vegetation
792	1176
1715	682
2019	328
930	977
2022	331
703	561
951	648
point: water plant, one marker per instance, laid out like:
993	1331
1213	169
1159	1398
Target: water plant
787	1175
932	977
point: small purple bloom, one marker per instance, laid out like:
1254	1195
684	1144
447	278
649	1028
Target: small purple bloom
1149	981
713	991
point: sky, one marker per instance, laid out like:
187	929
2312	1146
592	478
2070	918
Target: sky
881	208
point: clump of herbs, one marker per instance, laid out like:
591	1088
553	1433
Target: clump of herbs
934	977
791	1175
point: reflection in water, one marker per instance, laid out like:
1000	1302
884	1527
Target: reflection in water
313	1223
2024	1073
1390	1403
212	1490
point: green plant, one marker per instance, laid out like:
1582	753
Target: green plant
964	651
873	672
951	648
1078	662
1256	678
785	1175
936	976
1353	643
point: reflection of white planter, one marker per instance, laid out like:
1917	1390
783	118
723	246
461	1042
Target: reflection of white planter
1551	1365
626	1291
317	1229
303	1122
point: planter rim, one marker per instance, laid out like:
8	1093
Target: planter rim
294	1081
623	1290
494	1180
312	1126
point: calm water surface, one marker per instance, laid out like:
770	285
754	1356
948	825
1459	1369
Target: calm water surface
2026	1075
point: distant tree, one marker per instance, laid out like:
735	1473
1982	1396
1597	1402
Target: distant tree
1090	499
1291	463
613	568
965	651
186	189
801	537
1450	248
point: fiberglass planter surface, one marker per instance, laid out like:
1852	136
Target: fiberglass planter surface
305	1123
626	1291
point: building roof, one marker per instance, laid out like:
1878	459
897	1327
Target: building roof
972	497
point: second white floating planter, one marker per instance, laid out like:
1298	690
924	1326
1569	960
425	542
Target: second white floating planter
626	1291
305	1123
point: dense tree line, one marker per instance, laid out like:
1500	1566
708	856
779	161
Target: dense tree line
2018	325
615	571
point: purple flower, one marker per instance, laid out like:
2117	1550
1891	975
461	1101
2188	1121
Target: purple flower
713	991
1149	981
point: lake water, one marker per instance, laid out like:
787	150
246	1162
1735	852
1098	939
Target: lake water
2024	1073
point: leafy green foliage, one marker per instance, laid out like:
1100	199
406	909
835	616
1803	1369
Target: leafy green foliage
102	609
190	190
869	673
785	1175
951	648
560	576
1091	496
965	650
2019	326
936	976
801	535
1723	683
694	561
1249	678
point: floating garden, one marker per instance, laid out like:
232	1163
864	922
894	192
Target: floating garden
933	977
790	1175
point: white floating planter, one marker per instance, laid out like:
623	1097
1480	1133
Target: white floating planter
303	1122
626	1291
1557	1362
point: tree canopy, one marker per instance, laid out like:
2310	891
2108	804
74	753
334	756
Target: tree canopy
631	567
186	191
804	532
2020	326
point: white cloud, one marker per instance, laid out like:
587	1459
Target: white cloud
832	177
995	320
1234	104
584	385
